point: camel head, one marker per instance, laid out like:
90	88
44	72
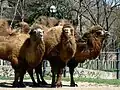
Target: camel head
36	33
24	27
97	32
68	30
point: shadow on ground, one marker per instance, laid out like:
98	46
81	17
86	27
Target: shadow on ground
28	84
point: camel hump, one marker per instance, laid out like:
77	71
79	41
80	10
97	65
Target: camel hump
4	27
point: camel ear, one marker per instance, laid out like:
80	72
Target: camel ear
30	31
74	22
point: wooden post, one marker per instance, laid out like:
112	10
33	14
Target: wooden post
1	62
118	64
64	72
44	67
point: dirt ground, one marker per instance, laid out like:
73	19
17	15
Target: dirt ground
7	85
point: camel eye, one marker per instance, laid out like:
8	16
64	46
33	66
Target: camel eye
34	31
71	30
100	33
64	29
43	31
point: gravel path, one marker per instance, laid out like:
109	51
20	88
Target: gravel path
7	85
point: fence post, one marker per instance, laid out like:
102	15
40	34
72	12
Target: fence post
44	67
118	64
64	72
98	63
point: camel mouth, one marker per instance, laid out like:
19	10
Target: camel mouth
67	31
39	33
107	34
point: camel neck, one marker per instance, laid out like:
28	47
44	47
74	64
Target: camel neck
35	42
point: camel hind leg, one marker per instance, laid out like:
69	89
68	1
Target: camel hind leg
17	75
30	72
16	68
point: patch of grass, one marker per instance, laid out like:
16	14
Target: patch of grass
11	78
79	79
5	78
92	80
99	81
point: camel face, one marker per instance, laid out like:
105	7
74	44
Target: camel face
37	33
68	31
99	32
102	34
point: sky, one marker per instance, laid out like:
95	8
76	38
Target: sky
113	2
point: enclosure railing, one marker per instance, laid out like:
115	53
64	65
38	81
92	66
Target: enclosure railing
107	61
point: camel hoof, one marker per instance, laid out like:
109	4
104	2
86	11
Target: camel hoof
36	85
44	83
58	84
53	85
16	84
21	84
74	85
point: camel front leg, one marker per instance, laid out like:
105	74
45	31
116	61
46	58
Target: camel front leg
53	79
71	70
38	70
22	73
72	64
59	78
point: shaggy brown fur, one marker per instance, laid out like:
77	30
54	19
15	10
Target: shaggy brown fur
23	50
53	37
57	35
5	30
47	21
33	48
60	47
31	52
11	44
89	49
22	27
61	22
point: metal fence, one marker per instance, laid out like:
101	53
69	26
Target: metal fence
107	61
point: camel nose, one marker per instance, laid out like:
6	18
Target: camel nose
66	31
107	33
40	34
